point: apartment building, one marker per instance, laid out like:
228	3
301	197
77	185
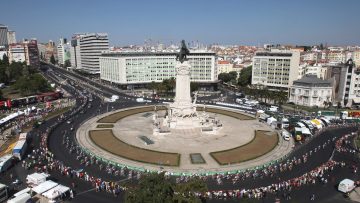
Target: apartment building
275	69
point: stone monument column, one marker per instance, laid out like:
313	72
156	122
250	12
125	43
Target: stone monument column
183	96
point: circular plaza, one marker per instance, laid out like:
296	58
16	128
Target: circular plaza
125	137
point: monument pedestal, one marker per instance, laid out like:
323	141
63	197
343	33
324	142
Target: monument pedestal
182	113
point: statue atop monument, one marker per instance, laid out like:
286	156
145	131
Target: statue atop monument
181	56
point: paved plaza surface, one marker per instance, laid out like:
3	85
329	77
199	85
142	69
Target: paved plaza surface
234	133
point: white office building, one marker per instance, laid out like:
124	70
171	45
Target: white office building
11	37
63	51
276	69
132	69
86	50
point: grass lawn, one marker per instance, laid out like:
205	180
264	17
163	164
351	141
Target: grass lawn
311	109
113	118
106	140
10	93
263	142
236	115
56	113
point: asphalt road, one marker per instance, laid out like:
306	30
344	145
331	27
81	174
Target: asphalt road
324	192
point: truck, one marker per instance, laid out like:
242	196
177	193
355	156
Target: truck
19	149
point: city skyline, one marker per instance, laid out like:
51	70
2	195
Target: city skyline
236	22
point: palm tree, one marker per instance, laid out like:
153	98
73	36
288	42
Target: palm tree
152	86
172	84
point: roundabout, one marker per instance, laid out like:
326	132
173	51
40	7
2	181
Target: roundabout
125	138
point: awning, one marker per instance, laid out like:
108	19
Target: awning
56	191
305	131
45	186
356	100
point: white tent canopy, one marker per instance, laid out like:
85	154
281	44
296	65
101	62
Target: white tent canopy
300	124
26	190
45	186
36	178
305	131
56	192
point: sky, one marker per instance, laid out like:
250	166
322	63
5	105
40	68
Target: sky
245	22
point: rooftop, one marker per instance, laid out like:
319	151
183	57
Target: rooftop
312	80
140	54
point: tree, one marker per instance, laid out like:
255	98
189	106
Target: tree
152	86
32	84
245	76
169	84
5	60
160	88
156	188
3	74
172	84
67	63
15	70
194	86
151	188
52	59
224	77
233	75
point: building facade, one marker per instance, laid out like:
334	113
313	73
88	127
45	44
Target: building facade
224	66
32	53
75	51
144	67
336	57
87	49
3	35
356	58
311	91
276	69
26	51
63	51
11	37
343	75
17	52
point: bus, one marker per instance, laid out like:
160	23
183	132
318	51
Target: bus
20	149
6	162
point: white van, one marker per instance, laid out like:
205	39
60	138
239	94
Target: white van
140	100
346	185
286	135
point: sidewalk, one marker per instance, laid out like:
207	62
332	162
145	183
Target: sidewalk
355	195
